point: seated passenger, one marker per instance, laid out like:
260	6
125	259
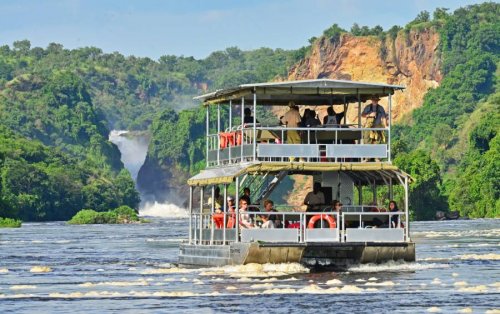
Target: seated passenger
311	120
267	223
246	195
393	208
230	205
269	207
333	118
248	118
245	220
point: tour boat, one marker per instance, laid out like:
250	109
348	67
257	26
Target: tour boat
341	156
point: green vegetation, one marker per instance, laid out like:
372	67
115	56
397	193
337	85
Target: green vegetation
120	215
457	125
10	223
38	182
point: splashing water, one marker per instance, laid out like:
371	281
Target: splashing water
155	209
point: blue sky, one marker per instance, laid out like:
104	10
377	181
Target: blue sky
196	27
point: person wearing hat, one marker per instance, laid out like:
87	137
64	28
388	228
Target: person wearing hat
374	115
292	119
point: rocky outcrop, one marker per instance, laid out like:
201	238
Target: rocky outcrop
411	59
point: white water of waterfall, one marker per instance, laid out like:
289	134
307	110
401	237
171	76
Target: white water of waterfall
133	149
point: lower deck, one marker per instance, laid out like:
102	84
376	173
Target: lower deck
313	255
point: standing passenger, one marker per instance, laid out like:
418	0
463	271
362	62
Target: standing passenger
292	120
374	114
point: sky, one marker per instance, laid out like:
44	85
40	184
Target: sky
152	28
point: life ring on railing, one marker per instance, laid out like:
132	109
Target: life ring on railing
330	219
218	220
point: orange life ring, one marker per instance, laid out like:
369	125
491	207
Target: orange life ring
330	219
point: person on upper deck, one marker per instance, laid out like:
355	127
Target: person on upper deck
311	120
374	115
292	120
332	118
248	118
315	198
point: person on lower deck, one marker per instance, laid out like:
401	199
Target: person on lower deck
245	220
269	207
217	202
315	198
267	223
393	208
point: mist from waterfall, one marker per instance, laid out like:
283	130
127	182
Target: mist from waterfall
134	148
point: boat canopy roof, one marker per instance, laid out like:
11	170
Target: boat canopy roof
364	173
318	92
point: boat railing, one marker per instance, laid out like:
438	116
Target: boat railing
326	143
297	227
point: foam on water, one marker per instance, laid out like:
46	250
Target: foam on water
3	270
491	256
155	209
254	270
334	282
395	266
385	283
480	288
40	269
22	287
139	282
434	309
458	234
465	310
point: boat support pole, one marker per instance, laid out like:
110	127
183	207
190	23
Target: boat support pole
237	209
359	115
212	209
230	127
407	213
201	215
218	134
208	132
190	214
254	125
226	211
389	127
242	125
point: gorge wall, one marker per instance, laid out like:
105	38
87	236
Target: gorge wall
411	59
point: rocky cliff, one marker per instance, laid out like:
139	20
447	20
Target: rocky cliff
411	59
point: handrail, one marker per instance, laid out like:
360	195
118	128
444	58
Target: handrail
289	220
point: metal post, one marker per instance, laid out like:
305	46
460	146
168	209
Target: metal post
407	212
242	124
391	191
212	210
230	114
360	195
359	109
208	133
237	201
230	128
201	214
254	126
225	211
218	134
389	131
190	214
374	191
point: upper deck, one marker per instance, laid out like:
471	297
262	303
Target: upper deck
343	140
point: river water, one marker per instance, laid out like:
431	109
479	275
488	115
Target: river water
60	268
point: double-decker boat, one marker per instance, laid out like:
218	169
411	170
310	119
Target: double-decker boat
341	157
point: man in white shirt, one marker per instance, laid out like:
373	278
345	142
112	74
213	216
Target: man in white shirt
315	198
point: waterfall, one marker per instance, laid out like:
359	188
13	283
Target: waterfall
133	147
